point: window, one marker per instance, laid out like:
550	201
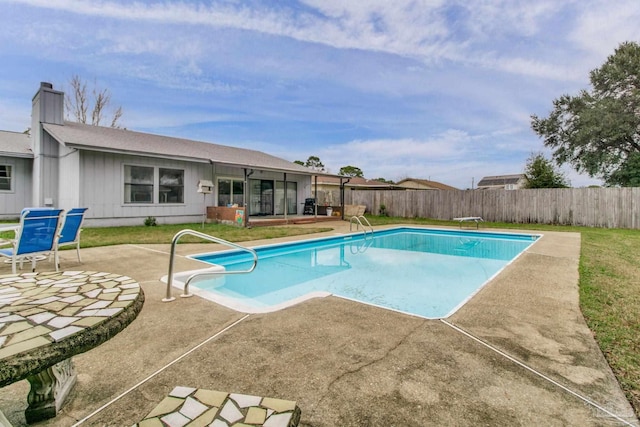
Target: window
148	184
237	196
138	184
230	191
5	177
171	186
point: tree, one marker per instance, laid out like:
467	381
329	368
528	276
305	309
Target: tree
628	175
299	162
540	172
78	105
314	163
351	171
387	181
598	131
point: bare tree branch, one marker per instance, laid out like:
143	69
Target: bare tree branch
77	103
101	99
116	117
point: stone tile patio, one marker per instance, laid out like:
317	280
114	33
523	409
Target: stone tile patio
191	407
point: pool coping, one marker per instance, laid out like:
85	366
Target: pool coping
180	278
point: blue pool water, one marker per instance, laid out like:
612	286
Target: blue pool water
425	272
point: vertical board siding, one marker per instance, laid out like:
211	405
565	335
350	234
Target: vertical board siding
591	207
12	202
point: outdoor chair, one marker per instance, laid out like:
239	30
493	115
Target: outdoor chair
36	236
70	234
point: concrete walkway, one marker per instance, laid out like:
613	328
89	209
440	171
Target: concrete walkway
519	353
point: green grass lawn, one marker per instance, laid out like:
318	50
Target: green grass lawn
610	301
609	277
164	233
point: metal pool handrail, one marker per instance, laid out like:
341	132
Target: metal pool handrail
359	222
214	239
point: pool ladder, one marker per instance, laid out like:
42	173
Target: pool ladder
358	220
214	239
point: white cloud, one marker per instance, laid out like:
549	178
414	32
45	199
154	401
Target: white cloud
403	27
508	17
444	156
429	31
440	147
602	26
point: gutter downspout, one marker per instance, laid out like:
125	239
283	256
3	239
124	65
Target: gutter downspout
244	196
286	207
315	198
213	192
342	184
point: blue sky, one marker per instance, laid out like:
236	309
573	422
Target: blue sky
440	90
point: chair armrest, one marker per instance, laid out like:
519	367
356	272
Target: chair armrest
8	242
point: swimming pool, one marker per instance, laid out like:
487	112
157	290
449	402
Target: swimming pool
424	272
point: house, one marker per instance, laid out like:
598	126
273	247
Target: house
423	184
502	182
124	176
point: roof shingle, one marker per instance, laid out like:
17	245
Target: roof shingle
100	138
15	144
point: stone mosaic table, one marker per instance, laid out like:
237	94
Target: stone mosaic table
48	317
191	407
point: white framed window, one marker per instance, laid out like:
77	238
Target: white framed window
171	186
138	184
6	177
230	191
150	184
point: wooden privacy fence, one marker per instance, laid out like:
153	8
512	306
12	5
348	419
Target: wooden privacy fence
591	207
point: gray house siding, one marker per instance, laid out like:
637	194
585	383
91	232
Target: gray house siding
70	179
48	170
12	201
102	191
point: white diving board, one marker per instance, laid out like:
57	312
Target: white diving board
476	219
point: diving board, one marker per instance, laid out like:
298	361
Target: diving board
476	219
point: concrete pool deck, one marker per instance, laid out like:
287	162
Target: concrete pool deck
519	353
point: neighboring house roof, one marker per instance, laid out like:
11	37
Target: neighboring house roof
15	144
99	138
354	182
424	184
499	180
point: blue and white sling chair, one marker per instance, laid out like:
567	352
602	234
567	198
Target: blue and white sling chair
37	234
70	234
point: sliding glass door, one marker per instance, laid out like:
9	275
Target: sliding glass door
292	198
261	196
268	197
